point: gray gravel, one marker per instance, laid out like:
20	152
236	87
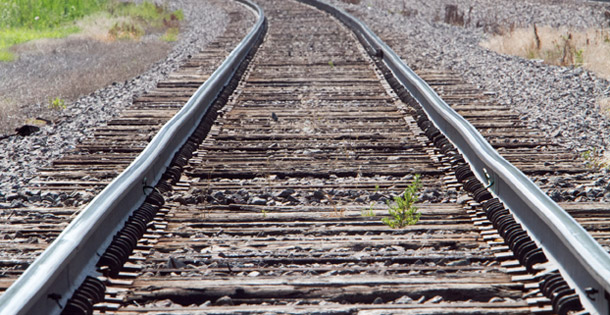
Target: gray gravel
22	156
559	101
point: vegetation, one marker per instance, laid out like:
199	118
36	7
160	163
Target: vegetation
368	212
403	211
589	49
45	14
171	35
57	104
151	14
596	159
26	20
126	30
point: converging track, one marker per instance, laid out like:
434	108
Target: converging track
275	205
270	218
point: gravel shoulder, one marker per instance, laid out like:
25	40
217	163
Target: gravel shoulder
22	156
562	102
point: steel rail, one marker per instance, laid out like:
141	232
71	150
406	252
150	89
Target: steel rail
582	261
51	279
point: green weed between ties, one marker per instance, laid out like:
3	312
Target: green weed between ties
594	158
403	211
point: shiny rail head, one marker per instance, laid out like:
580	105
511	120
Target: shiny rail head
582	260
51	279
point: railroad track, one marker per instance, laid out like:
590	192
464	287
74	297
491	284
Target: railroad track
69	183
275	206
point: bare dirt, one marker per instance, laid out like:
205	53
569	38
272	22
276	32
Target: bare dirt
68	68
73	66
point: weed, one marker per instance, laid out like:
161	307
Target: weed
403	211
368	212
57	104
331	64
594	158
336	211
171	35
126	30
578	58
453	15
264	212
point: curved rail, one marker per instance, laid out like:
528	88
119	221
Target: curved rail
584	263
50	280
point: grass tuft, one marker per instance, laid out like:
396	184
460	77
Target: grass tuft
171	35
57	104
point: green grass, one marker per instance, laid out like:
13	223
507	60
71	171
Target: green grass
6	56
26	20
57	104
171	35
44	14
13	36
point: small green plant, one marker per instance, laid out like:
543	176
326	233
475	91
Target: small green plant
578	58
403	211
368	212
171	35
331	64
264	212
57	104
594	158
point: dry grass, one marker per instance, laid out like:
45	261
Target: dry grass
604	106
557	46
97	26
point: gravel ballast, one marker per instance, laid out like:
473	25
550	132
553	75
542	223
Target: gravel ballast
22	156
559	101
